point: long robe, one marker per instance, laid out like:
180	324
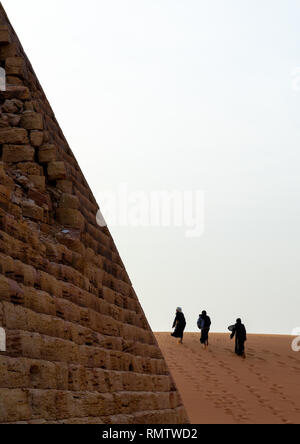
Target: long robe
239	331
205	330
179	325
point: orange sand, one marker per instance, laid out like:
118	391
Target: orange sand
218	387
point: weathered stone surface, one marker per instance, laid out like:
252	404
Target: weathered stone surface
28	105
15	92
69	201
65	186
13	135
70	218
5	195
36	138
30	169
12	119
47	153
14	405
33	211
32	121
38	181
18	153
4	35
8	51
15	66
79	348
57	171
12	106
41	199
5	179
13	80
3	121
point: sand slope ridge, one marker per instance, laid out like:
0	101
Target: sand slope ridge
218	387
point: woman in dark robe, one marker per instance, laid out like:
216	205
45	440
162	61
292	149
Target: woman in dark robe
179	325
239	331
204	324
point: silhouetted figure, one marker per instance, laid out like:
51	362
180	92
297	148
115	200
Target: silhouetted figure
204	324
179	325
240	334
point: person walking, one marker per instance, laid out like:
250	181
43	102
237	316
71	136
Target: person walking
204	324
179	325
240	334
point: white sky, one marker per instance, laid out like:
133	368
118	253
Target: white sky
187	95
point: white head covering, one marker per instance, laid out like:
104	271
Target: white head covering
179	309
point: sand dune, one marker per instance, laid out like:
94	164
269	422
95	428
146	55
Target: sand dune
217	387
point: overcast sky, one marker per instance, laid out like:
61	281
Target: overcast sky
186	95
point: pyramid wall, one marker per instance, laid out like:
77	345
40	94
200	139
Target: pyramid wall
79	348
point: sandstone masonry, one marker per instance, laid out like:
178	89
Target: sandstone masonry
79	348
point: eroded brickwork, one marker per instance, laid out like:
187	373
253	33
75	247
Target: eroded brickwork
79	348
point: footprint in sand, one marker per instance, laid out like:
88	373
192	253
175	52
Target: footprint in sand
263	379
245	418
262	359
274	411
283	364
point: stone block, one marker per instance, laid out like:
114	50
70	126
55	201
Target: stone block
30	168
39	301
57	171
41	199
70	218
50	285
14	405
69	201
47	153
4	288
32	121
12	119
9	50
28	106
66	186
32	211
12	106
36	138
13	80
39	182
17	153
43	404
14	136
15	66
5	196
15	92
4	122
4	35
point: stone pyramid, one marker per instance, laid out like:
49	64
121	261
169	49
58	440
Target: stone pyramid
78	346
